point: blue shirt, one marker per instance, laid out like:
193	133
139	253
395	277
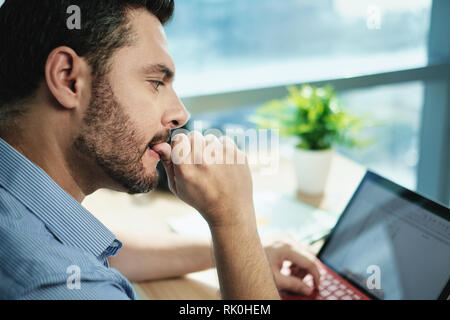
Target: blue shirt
50	246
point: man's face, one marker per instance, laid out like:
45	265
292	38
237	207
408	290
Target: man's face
133	107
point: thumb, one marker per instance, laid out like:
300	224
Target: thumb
164	150
293	284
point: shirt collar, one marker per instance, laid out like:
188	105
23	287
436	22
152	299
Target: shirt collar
65	217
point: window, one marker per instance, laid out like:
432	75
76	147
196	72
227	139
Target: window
387	58
396	111
228	45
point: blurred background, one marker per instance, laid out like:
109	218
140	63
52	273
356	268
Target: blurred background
386	59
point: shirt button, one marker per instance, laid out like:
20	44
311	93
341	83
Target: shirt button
114	244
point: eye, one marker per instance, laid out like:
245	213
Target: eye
156	84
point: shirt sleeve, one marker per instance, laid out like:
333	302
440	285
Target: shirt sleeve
104	290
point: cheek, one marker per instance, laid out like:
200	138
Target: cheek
146	124
141	105
145	114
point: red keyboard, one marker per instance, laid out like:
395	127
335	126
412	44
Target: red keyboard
332	287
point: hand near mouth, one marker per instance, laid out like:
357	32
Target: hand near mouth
210	187
164	150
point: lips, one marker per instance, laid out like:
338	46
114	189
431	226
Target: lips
158	139
151	145
152	152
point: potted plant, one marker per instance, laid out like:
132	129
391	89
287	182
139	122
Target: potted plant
313	116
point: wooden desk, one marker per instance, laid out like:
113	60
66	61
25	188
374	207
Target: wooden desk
152	211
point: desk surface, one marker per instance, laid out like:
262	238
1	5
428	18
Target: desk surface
152	211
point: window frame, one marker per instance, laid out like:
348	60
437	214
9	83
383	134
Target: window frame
433	173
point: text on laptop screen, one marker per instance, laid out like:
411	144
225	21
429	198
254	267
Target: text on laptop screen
390	246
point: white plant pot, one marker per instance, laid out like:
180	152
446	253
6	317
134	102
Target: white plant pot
311	169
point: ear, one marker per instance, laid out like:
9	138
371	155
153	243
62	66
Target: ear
65	74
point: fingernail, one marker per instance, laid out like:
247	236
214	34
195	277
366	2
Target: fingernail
176	138
309	291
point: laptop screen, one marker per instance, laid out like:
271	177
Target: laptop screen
391	242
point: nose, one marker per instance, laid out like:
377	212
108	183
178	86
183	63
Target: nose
176	114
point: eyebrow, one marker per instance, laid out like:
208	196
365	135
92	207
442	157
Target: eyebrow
169	74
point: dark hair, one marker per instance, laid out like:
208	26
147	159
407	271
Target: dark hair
31	29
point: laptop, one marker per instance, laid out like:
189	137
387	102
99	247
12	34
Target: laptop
389	243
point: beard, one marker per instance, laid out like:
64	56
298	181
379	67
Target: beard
110	139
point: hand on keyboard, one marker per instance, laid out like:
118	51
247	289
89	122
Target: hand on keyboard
291	262
332	287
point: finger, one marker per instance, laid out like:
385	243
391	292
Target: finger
298	272
181	150
308	263
213	152
164	150
211	139
227	142
232	153
197	145
293	284
314	270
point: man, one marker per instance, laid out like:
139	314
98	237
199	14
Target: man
89	108
150	255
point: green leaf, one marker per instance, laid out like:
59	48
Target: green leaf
314	115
